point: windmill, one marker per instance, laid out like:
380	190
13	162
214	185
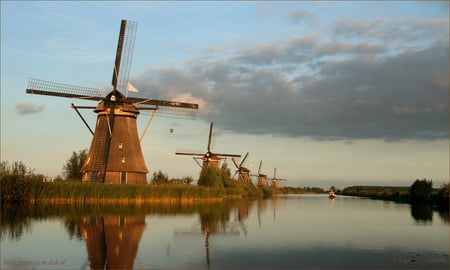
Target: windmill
244	173
115	154
262	178
209	158
276	180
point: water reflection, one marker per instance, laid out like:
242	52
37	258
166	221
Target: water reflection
422	213
288	232
15	220
112	242
222	219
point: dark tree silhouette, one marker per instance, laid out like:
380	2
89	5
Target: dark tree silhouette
160	178
420	191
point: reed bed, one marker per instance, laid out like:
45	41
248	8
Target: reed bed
70	192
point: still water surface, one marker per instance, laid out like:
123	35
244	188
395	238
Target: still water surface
289	232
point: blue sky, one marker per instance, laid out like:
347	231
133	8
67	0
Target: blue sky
329	92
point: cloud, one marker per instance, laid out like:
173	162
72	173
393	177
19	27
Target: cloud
361	82
300	15
29	108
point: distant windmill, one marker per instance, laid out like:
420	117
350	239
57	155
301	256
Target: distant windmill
209	158
244	173
262	178
115	155
275	180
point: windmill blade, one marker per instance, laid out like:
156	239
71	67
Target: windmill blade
234	175
210	134
156	102
243	160
124	55
226	155
189	154
274	172
235	162
169	112
259	170
196	161
41	87
169	109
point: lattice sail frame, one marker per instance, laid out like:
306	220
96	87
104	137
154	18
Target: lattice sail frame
126	55
36	86
168	112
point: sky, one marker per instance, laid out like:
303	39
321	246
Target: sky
328	92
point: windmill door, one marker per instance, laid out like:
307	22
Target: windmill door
123	177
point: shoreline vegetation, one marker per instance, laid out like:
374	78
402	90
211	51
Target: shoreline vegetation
20	184
421	192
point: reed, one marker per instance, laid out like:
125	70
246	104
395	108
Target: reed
94	192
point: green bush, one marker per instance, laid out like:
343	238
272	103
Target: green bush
15	182
210	176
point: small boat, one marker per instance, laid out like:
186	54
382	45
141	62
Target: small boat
331	195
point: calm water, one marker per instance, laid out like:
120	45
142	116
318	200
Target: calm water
290	232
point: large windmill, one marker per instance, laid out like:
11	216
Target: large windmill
115	155
209	158
244	173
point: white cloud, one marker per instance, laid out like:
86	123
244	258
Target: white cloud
29	108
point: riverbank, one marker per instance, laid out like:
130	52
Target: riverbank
437	197
78	192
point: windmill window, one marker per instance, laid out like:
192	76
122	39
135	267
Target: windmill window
120	145
123	159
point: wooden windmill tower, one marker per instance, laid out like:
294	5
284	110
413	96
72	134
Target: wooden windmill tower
209	158
115	155
262	178
275	180
244	173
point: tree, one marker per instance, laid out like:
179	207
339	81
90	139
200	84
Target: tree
420	191
72	167
225	176
160	178
210	176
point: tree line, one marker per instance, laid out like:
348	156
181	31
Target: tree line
420	192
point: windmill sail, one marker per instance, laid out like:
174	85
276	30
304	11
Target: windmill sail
124	55
41	87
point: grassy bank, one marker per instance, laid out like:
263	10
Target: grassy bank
20	184
71	192
93	192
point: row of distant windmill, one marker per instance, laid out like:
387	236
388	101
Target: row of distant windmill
212	159
115	154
